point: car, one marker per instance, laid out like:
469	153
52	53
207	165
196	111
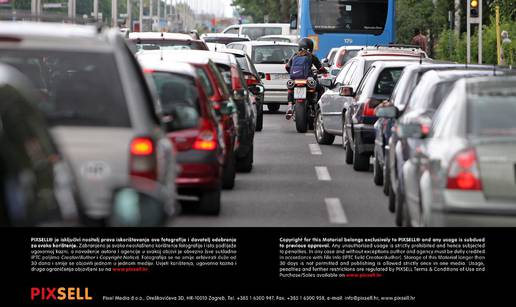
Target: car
270	58
425	99
37	185
220	99
359	119
328	60
166	41
467	160
101	112
216	47
194	130
279	38
255	30
223	38
331	107
254	82
342	56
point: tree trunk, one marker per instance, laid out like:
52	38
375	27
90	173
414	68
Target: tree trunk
456	27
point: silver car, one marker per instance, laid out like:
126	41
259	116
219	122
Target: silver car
102	113
469	163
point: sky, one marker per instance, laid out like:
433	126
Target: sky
217	7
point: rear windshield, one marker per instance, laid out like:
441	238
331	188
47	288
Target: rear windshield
77	88
225	40
493	115
348	55
157	44
255	32
436	95
387	81
273	54
180	99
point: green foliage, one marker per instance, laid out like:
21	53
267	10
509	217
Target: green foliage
276	10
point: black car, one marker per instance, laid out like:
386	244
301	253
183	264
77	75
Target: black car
37	187
254	82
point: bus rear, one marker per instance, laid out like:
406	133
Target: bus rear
335	23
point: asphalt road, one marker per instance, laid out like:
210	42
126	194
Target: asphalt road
297	183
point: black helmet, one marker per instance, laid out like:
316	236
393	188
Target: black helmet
306	44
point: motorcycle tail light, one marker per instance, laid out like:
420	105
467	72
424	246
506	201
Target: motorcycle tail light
291	84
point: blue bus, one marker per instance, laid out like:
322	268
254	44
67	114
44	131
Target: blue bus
335	23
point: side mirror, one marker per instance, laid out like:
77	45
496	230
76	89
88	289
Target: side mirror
326	82
257	89
133	208
239	94
228	108
293	22
262	75
346	91
414	130
387	112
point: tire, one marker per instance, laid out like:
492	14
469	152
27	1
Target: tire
345	144
386	177
229	172
360	161
377	173
245	164
273	107
259	119
392	200
400	207
321	136
209	202
301	117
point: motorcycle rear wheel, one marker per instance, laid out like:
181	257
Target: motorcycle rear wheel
301	117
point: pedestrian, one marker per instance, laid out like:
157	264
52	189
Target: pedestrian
420	40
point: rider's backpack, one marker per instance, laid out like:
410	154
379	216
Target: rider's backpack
301	66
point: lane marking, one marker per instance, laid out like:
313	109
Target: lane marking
322	173
315	149
335	211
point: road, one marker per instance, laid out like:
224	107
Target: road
297	183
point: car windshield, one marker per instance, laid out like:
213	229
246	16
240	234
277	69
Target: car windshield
180	99
255	32
157	44
273	54
341	16
493	114
76	88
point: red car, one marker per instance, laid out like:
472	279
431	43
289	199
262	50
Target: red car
193	128
215	88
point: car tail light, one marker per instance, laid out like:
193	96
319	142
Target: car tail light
207	138
268	77
143	158
251	80
236	83
148	71
463	173
10	39
368	111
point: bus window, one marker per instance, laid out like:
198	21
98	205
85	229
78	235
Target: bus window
341	16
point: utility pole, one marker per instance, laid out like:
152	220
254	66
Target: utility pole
474	16
159	15
129	24
114	13
96	9
141	16
71	9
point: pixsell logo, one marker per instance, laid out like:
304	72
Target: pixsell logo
60	294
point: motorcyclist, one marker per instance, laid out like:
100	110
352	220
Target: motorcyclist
306	47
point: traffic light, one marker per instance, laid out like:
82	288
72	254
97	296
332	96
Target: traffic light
473	8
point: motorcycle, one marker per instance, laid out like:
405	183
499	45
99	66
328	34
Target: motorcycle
304	93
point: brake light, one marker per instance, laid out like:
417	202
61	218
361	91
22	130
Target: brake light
236	83
268	77
251	80
463	173
368	111
148	70
207	138
142	162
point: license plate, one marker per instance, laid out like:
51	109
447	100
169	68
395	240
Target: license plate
279	76
299	92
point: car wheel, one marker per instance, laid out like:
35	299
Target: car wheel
321	136
386	178
209	202
228	177
377	172
400	204
273	107
346	145
245	164
301	117
392	200
360	161
259	119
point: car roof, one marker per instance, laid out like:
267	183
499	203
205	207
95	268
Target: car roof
350	48
486	85
160	35
154	62
231	35
278	36
396	63
265	43
49	29
392	58
236	52
394	51
193	56
268	25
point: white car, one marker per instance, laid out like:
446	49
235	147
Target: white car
270	58
255	30
224	38
167	41
279	38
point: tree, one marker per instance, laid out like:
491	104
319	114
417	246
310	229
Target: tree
277	11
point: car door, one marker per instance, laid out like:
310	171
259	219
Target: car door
352	107
330	107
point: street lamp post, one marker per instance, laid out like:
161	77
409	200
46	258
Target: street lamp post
96	9
114	13
129	24
141	16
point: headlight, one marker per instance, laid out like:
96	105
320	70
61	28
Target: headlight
311	83
291	84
